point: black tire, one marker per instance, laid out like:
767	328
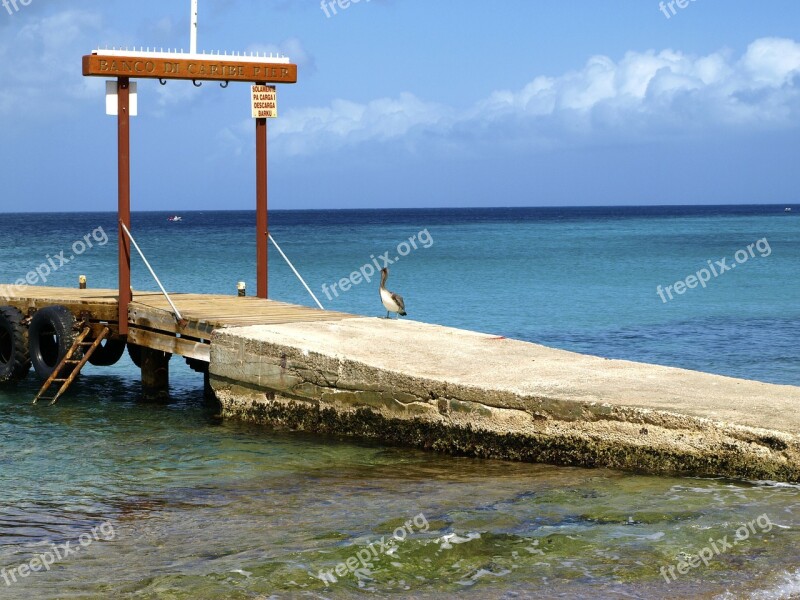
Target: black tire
50	336
108	353
135	352
15	362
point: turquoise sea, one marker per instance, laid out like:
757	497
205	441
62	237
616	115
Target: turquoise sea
172	502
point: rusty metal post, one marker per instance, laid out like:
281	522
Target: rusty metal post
124	199
262	222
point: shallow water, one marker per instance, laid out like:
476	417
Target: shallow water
202	508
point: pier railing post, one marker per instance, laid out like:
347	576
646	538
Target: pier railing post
262	223
124	199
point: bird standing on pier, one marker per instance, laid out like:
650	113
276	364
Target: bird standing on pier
391	301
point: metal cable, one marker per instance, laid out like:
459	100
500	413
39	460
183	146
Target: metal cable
271	239
153	273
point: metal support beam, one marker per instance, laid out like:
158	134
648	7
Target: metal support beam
262	222
124	199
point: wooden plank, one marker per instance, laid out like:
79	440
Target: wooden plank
221	68
150	310
161	320
39	291
171	344
96	312
99	305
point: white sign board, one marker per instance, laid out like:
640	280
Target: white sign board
111	99
265	102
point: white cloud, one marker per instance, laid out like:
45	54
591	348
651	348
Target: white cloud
174	93
291	47
39	51
772	62
45	52
233	140
347	122
643	95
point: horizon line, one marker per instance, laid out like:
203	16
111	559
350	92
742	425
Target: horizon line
572	206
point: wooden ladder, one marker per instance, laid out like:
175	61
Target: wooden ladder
76	365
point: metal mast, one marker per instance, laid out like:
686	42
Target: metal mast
193	37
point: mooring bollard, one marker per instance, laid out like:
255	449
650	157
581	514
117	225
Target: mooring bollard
242	288
82	282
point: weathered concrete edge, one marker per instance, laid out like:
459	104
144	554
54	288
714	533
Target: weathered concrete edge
280	386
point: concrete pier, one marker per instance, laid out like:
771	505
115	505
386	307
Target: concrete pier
465	393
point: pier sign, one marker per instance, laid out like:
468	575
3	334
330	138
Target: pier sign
265	102
217	68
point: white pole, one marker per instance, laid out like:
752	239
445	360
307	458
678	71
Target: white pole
193	42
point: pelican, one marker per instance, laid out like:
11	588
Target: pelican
391	301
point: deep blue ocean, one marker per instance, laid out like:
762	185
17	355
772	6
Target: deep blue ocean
211	509
583	279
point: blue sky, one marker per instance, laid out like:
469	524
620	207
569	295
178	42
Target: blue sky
415	103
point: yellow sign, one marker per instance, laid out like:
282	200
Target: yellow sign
265	102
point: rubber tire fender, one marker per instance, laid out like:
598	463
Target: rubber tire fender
108	353
135	352
50	336
15	361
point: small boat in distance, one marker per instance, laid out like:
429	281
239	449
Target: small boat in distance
787	210
175	218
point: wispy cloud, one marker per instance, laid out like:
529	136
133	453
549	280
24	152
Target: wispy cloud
291	47
42	51
347	123
645	95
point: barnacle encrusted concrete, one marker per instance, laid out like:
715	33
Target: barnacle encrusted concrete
448	390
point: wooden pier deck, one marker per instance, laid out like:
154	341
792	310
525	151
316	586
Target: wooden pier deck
150	318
